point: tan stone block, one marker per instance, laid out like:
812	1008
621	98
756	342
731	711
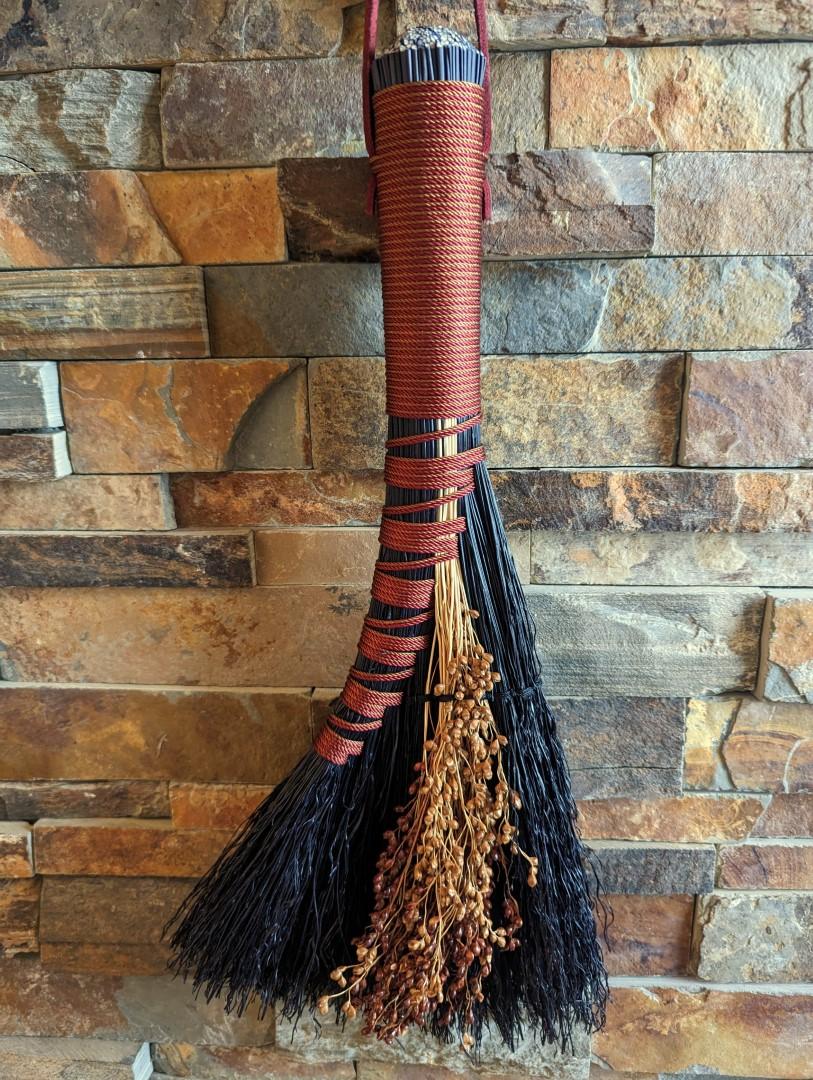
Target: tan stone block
748	409
731	97
175	416
519	101
89	119
787	659
29	800
648	935
732	204
687	1026
537	410
214	806
19	916
220	637
33	457
114	314
237	215
108	910
786	815
316	556
708	724
282	497
755	938
36	1001
83	959
179	734
96	218
766	864
87	502
16	856
244	1063
514	24
690	819
73	1059
769	747
705	20
126	848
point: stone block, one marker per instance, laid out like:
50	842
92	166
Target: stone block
769	747
72	1059
648	935
244	1063
708	725
752	938
87	502
108	910
104	314
654	869
60	121
640	21
766	864
29	396
689	819
237	215
214	806
16	854
30	800
786	815
279	498
787	659
19	917
97	218
541	410
175	416
730	97
746	409
33	457
108	959
733	204
152	559
528	24
178	734
323	205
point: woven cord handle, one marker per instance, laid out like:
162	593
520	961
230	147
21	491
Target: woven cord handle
368	55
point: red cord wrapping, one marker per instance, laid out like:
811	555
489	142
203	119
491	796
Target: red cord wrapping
429	166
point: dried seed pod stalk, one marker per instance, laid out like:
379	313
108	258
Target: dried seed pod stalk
433	931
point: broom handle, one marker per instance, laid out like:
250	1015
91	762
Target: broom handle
370	37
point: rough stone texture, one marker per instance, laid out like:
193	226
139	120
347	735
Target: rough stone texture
755	938
243	1063
640	21
87	502
736	1032
654	869
103	313
737	302
87	34
514	24
107	959
769	747
179	734
29	800
323	204
671	558
98	218
649	935
237	215
121	847
731	97
787	658
71	559
537	410
29	396
392	1070
563	202
622	747
316	107
748	409
72	1059
214	806
708	725
16	858
19	917
38	1002
690	819
786	815
224	637
89	119
646	641
316	556
32	456
732	204
519	102
315	497
333	1043
657	500
153	416
767	864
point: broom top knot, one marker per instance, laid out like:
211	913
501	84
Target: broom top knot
429	54
431	36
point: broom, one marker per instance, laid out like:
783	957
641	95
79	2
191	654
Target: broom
481	909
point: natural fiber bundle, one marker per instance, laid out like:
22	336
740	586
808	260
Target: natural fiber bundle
475	906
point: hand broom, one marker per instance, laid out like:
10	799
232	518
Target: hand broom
476	906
